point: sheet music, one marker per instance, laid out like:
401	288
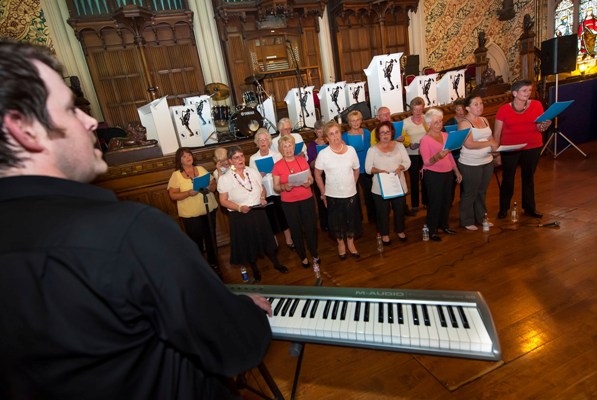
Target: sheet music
390	185
511	147
299	178
456	139
554	110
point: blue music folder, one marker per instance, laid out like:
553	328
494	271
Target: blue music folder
265	164
320	147
451	128
298	148
456	139
554	110
398	126
201	182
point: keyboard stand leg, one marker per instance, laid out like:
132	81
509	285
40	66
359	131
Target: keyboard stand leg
296	350
241	383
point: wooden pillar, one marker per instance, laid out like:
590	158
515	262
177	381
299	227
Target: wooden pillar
527	50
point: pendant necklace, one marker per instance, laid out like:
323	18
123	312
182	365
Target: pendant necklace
292	169
248	189
526	104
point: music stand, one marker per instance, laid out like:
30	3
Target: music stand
299	78
558	55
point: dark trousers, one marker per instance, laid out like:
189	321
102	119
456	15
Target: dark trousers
527	160
198	229
300	216
382	207
439	191
416	187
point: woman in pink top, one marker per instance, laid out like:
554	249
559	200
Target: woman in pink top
297	199
439	168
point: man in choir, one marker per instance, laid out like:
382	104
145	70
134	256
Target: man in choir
99	298
285	128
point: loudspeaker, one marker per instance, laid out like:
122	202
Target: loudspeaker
412	65
559	55
362	107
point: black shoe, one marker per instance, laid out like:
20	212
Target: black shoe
388	243
403	239
291	246
342	256
534	214
355	254
305	264
282	269
449	231
435	237
502	214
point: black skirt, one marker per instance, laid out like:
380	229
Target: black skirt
344	217
250	236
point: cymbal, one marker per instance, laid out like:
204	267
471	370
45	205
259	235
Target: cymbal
254	78
217	91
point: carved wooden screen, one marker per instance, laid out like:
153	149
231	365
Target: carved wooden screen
126	60
366	29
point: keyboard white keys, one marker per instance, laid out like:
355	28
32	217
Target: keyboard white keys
448	323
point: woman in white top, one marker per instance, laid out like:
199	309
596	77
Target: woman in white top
341	166
475	163
242	193
414	129
275	214
388	157
191	203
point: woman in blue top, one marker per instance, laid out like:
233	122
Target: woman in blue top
360	139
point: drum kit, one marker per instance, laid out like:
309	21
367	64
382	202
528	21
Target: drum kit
245	119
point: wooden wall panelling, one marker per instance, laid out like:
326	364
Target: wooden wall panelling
238	65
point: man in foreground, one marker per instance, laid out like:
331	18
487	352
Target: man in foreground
99	299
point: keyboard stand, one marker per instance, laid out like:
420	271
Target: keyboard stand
241	383
296	350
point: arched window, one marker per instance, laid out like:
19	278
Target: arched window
577	17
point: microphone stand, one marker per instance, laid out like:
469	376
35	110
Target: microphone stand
212	231
299	78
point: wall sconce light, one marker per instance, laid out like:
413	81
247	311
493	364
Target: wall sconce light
582	68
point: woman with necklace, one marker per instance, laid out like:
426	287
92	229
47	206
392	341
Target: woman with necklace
341	166
388	157
297	200
515	124
360	139
439	168
242	193
275	214
475	163
415	129
313	148
191	208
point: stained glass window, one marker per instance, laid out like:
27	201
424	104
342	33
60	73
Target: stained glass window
587	28
564	16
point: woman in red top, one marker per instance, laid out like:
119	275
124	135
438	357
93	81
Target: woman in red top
293	179
515	124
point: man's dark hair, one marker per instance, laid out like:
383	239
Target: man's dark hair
22	90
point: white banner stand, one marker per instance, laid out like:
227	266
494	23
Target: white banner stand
202	105
187	125
423	86
332	100
268	112
450	87
385	83
155	118
355	93
294	101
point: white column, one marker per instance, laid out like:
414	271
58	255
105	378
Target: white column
69	51
416	34
208	42
325	49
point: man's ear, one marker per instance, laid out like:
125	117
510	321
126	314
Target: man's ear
24	131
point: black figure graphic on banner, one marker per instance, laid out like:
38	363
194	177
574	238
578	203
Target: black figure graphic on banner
335	98
355	94
455	84
200	111
186	119
426	88
304	98
387	72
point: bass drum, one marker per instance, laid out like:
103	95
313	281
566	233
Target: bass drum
246	122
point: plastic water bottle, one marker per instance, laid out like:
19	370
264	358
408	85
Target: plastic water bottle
316	268
379	244
425	233
244	274
514	214
485	223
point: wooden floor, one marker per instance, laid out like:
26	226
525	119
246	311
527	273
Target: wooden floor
540	284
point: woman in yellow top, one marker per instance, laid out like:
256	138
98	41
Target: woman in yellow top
191	203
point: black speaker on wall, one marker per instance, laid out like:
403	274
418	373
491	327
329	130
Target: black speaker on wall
559	54
412	65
